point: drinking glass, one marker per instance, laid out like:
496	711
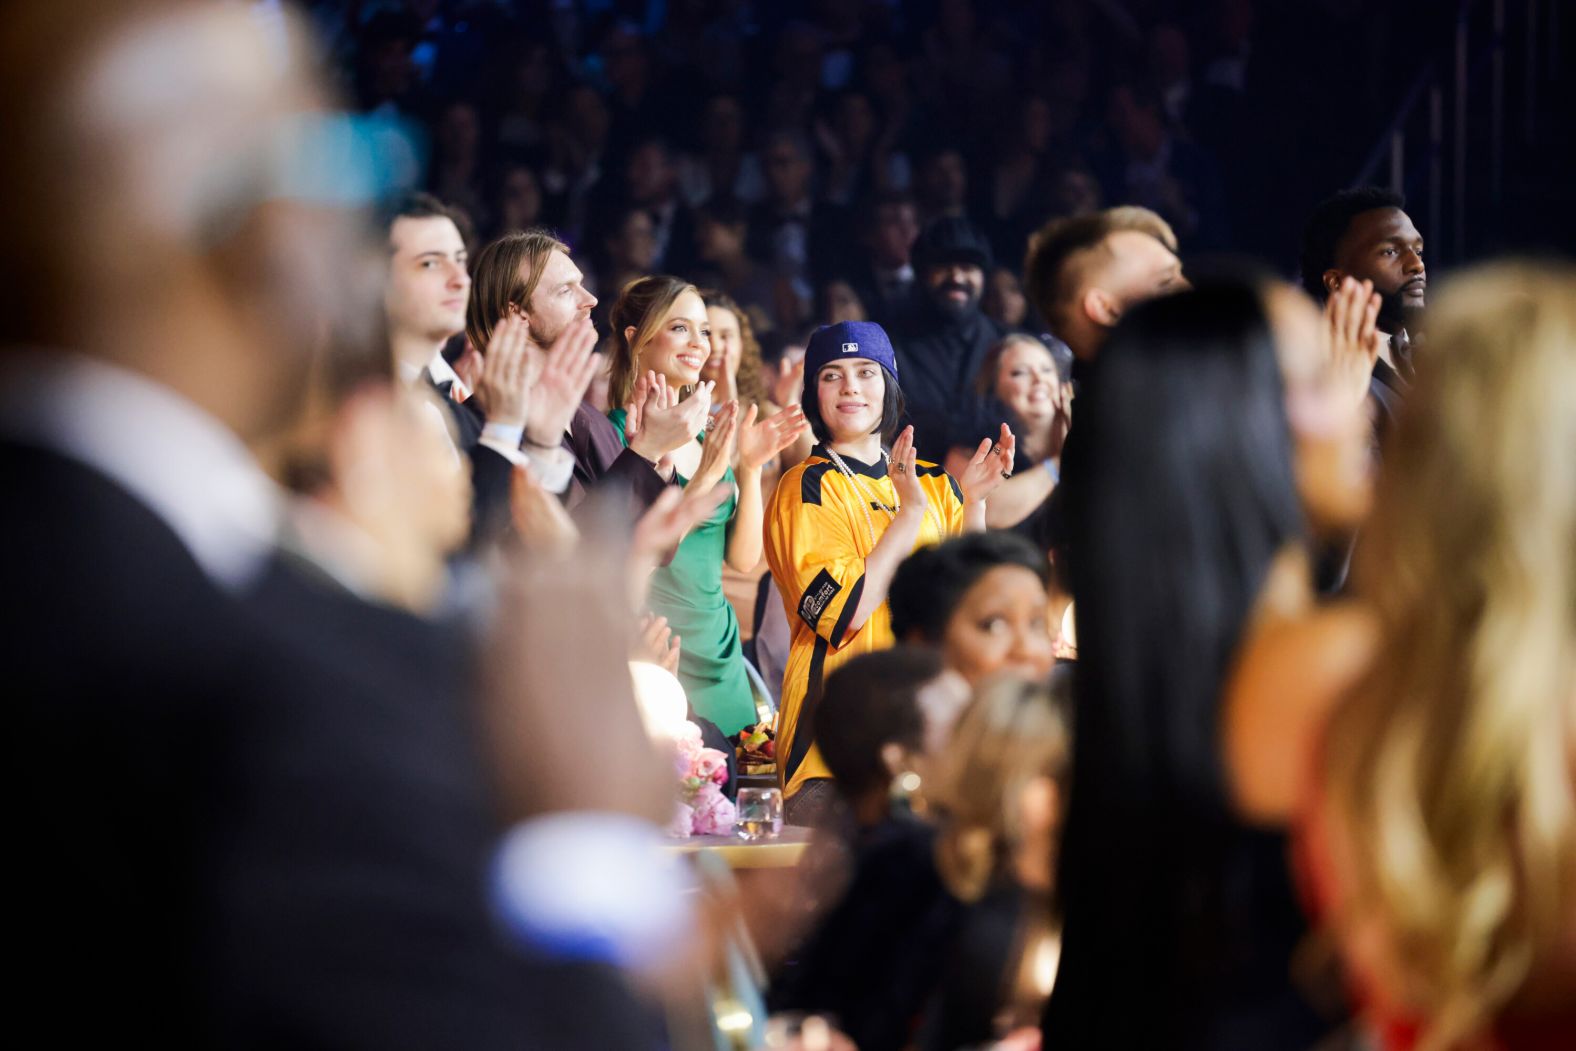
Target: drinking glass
760	813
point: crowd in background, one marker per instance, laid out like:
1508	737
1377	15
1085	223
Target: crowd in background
788	153
1162	652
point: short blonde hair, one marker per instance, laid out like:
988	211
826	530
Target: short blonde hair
1057	250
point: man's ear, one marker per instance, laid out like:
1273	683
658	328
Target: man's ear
1332	279
1100	307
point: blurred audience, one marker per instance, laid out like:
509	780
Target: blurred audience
339	549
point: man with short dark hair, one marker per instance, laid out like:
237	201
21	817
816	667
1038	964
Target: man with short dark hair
884	275
801	238
942	183
942	348
1365	234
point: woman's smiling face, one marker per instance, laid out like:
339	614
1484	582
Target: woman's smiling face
851	392
1027	381
681	345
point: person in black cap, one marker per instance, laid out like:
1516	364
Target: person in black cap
842	520
942	349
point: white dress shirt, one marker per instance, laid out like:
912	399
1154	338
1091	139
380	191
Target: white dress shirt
554	468
184	465
580	885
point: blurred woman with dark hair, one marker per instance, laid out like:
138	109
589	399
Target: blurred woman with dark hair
946	935
1181	492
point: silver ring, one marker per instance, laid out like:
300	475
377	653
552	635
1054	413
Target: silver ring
1006	474
899	468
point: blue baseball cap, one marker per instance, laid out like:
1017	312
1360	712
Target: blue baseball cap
849	339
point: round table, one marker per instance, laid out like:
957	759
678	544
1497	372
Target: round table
781	852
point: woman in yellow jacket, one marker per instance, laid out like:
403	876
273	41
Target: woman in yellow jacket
843	519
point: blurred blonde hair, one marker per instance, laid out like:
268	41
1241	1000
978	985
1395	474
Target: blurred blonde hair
1448	770
1012	733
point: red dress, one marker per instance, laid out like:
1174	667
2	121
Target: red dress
1317	883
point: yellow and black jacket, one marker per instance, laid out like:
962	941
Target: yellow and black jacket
817	539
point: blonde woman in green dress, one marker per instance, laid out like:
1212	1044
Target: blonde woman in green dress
660	327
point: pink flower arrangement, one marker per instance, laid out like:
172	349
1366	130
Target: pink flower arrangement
702	808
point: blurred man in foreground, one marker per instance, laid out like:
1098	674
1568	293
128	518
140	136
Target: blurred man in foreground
251	801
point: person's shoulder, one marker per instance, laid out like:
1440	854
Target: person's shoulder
805	481
936	478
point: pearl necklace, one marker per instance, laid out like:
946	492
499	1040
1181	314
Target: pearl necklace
869	497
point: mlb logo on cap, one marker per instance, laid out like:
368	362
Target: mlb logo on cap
849	339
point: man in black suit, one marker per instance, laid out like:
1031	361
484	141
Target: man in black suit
425	301
941	349
1365	234
884	276
250	805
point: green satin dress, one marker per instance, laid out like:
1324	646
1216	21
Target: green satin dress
688	591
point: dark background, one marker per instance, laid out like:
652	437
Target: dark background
579	114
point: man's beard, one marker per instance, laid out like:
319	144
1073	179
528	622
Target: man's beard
1395	313
952	309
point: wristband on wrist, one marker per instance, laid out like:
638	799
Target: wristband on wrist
1053	469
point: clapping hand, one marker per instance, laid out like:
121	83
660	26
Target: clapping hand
911	495
561	386
508	374
657	643
990	466
555	676
717	452
1351	318
759	442
657	422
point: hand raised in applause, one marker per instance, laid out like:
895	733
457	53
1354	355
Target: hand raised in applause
664	525
760	441
555	676
561	384
989	467
911	495
539	517
717	451
661	422
508	372
1351	317
657	643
